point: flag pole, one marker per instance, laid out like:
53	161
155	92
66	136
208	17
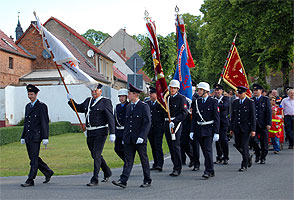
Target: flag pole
75	109
227	59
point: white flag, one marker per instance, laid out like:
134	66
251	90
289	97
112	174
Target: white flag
63	57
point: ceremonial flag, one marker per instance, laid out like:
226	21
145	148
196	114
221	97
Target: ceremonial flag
161	85
234	73
185	61
63	57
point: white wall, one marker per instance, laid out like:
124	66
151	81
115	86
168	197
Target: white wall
2	104
54	96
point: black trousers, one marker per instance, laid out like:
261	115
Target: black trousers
222	146
289	128
130	152
118	146
185	141
196	151
174	147
95	145
33	149
155	139
206	147
241	144
262	137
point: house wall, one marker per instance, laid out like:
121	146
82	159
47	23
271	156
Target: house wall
33	43
57	29
21	66
54	96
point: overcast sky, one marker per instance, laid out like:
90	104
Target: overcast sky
104	15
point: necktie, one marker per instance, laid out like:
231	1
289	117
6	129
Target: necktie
132	106
31	105
241	102
203	100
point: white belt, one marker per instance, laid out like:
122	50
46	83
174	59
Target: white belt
120	127
167	119
96	127
205	123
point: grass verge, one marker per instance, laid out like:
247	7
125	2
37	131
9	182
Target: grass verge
66	154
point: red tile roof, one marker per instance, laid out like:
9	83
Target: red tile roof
84	40
7	44
118	74
121	56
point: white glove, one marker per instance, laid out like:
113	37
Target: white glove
112	137
171	125
215	137
85	133
191	135
45	141
22	141
122	142
69	96
140	140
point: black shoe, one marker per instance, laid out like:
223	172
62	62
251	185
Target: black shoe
175	173
276	152
242	169
205	176
262	161
191	164
105	179
47	179
92	184
195	168
250	161
29	184
145	185
225	161
257	159
290	147
119	183
152	169
218	161
159	169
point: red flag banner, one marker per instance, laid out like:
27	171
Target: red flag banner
161	85
234	74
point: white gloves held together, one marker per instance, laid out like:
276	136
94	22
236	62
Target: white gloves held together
140	140
45	141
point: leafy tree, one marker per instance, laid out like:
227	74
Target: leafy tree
95	37
265	36
168	54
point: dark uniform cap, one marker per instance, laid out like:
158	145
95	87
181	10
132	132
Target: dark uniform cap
134	89
99	86
32	88
152	90
257	87
241	89
218	86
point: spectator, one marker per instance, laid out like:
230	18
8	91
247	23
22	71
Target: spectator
288	106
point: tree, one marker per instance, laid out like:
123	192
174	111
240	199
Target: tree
265	36
95	37
168	54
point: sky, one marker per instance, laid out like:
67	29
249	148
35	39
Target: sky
107	16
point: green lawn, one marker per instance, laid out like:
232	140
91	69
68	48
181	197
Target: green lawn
66	154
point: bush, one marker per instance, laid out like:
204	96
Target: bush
13	134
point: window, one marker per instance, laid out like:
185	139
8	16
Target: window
10	63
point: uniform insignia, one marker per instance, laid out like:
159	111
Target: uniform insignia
217	109
185	106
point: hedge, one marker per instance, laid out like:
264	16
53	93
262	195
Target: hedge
13	133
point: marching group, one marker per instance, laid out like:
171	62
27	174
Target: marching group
211	116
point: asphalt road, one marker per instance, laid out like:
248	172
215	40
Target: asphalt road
274	180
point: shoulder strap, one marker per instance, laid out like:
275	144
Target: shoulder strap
198	111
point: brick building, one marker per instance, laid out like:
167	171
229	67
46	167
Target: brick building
14	61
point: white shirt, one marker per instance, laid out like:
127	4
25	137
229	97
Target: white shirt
288	106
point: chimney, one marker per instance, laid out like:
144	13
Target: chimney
123	52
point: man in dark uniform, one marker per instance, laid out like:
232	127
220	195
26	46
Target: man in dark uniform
156	131
99	118
243	125
178	111
205	125
137	126
120	119
263	123
186	142
222	146
36	129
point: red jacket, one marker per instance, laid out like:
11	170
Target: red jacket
276	128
